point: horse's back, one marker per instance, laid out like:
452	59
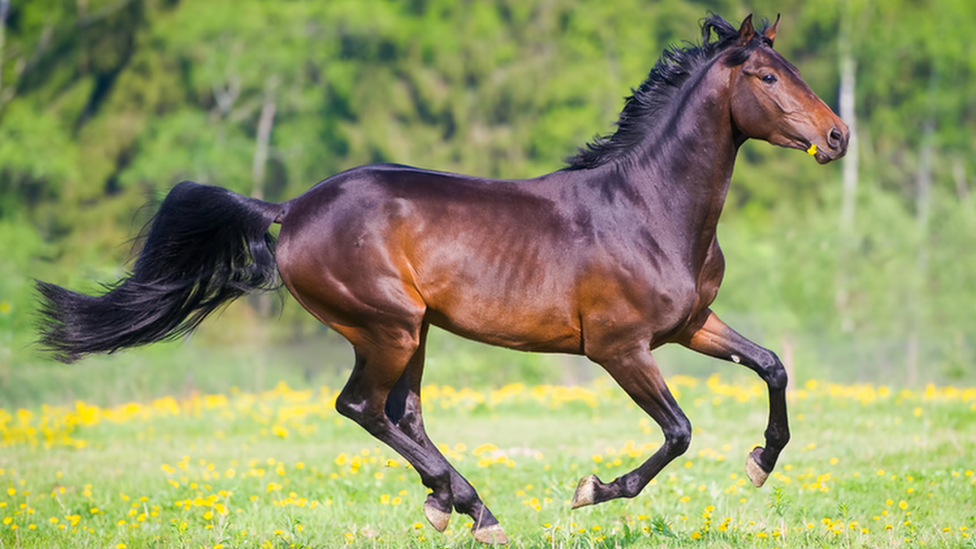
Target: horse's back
483	258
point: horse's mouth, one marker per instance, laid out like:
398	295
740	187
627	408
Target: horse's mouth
822	155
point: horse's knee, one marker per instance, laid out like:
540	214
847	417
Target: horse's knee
773	372
777	378
677	437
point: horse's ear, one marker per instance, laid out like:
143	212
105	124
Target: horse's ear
770	33
746	32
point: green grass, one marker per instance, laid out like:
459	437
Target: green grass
864	469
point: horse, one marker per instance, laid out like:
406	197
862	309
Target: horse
610	257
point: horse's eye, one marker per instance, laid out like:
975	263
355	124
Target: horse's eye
769	78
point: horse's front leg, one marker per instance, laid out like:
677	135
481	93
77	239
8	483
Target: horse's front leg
638	375
713	337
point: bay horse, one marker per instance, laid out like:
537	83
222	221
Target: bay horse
610	257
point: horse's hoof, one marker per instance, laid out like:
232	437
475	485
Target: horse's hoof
437	518
492	535
756	473
585	492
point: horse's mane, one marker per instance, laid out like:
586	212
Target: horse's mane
676	65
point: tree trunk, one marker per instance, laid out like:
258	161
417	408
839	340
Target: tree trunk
923	200
265	123
848	68
263	140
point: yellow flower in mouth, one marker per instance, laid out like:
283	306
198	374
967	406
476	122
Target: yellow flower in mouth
812	150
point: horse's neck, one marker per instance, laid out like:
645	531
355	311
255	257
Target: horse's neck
687	163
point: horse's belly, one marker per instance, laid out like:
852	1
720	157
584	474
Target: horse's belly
520	322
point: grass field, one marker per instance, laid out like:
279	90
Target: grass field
868	466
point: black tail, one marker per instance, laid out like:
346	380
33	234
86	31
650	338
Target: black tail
204	248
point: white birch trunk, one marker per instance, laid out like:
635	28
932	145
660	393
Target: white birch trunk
848	70
263	140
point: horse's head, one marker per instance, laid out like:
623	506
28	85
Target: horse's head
771	102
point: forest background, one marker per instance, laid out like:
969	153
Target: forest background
862	270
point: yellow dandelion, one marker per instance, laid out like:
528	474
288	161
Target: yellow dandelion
902	504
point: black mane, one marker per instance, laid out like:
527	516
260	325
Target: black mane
671	71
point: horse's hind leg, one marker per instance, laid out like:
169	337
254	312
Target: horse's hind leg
380	362
403	408
714	338
638	375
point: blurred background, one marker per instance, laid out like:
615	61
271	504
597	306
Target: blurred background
862	270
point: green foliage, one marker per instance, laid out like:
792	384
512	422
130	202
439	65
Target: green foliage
104	103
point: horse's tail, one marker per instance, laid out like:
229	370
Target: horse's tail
205	247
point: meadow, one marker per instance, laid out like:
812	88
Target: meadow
868	466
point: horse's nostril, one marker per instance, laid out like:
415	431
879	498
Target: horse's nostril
835	139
